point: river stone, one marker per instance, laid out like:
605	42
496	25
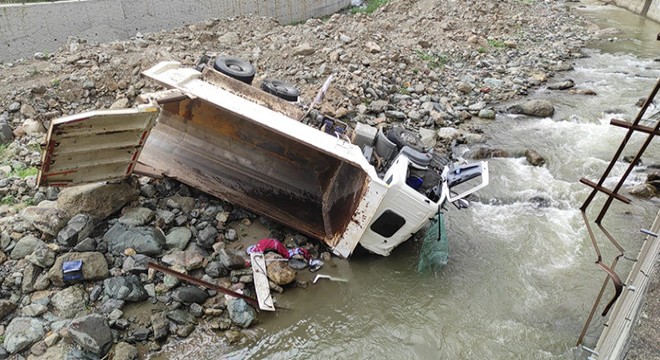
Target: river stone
184	331
92	333
189	260
448	133
42	256
76	230
231	259
111	305
190	294
25	247
537	108
126	288
47	219
145	240
534	158
95	266
644	191
137	217
206	237
487	114
21	333
184	203
178	238
279	271
136	264
70	301
216	269
562	85
160	325
98	200
241	313
6	308
124	351
181	317
486	153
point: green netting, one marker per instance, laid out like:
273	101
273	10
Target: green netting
435	248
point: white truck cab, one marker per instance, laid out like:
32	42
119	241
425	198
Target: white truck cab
248	147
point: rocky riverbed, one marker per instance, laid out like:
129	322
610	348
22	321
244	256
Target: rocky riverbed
430	66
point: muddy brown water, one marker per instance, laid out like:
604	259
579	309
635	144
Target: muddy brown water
521	277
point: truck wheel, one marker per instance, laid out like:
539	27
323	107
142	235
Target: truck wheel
238	69
281	89
402	137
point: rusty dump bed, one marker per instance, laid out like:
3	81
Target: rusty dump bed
254	157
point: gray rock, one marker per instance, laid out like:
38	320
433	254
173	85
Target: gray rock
160	325
6	308
644	191
14	107
21	333
42	256
487	114
111	305
89	244
190	294
206	237
181	317
89	85
196	309
76	230
52	193
231	259
378	106
534	158
6	133
537	108
230	235
148	191
167	217
95	266
303	50
30	274
137	217
136	264
229	39
70	301
185	330
178	238
562	85
372	47
34	310
96	292
92	333
47	219
428	137
241	313
98	200
486	153
216	269
124	351
145	240
398	115
25	247
184	203
189	260
126	288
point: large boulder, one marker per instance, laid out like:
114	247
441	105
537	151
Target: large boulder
127	288
47	219
279	272
98	200
144	240
534	158
21	333
76	230
70	301
537	108
92	333
95	266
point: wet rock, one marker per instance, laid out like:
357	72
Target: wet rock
6	308
124	351
279	271
42	256
92	333
145	240
185	330
70	301
534	158
181	317
25	247
537	108
178	238
189	295
241	313
137	217
126	288
486	153
196	309
21	333
206	237
189	260
95	267
644	191
136	264
77	229
47	219
231	259
562	85
98	200
160	325
139	335
487	114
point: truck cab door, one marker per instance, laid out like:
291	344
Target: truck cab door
95	146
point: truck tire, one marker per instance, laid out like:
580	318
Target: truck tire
403	137
238	69
281	89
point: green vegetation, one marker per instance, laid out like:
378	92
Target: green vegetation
8	200
55	82
24	172
496	43
434	61
404	90
482	50
372	5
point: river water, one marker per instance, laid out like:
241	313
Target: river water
521	277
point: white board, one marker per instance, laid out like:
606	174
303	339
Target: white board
261	282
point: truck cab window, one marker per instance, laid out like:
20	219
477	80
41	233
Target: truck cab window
388	224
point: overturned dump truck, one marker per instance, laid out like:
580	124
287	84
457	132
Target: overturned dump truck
248	147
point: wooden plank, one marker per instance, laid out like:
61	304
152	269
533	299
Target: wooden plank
261	282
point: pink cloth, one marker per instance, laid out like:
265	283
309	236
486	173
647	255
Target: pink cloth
268	244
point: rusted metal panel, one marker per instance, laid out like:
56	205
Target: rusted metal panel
95	146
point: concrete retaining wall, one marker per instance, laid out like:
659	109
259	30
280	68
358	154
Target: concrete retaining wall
648	8
30	28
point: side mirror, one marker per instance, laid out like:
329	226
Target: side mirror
461	204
